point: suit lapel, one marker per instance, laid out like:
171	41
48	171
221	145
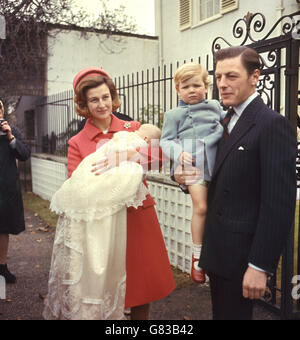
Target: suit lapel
243	125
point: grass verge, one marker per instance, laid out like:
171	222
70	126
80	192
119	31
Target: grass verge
37	205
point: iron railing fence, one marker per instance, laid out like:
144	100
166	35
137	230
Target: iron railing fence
56	123
145	96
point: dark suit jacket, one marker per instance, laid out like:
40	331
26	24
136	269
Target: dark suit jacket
251	199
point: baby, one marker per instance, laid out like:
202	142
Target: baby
120	184
190	136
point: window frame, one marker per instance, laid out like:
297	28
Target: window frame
194	21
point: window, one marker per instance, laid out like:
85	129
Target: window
194	12
29	124
209	8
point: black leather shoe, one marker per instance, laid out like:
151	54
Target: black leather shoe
9	277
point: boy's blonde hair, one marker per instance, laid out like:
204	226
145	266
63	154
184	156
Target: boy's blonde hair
188	71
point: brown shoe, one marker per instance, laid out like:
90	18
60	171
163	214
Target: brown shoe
198	275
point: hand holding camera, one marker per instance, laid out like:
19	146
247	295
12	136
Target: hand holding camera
5	130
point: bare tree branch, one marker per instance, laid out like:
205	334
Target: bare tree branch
24	52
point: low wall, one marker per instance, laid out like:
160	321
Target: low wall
48	174
173	207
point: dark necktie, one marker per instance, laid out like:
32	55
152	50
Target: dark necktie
226	120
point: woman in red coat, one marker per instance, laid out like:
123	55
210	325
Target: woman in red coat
149	276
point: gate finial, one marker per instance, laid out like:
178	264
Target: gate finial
248	18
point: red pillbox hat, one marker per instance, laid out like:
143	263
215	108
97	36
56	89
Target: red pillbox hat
88	72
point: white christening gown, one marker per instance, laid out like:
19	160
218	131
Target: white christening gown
87	277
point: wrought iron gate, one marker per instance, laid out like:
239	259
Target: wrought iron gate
278	86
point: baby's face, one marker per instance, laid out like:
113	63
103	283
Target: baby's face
147	137
152	141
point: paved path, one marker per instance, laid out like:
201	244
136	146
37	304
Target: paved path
30	257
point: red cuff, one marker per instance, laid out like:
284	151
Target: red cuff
152	158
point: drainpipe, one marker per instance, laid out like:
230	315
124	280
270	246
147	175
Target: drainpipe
159	30
279	13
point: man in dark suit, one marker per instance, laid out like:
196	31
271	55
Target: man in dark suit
251	198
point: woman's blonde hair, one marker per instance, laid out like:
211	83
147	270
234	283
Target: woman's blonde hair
88	83
188	71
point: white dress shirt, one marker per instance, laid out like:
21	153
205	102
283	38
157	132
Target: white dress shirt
239	110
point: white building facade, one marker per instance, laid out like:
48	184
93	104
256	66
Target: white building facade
187	28
72	50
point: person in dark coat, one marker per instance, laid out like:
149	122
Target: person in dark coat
252	194
12	147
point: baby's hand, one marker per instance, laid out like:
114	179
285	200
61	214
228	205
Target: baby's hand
186	159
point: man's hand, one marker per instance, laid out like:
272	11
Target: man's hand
186	159
254	284
187	175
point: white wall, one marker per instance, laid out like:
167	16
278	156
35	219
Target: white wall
70	52
47	176
197	41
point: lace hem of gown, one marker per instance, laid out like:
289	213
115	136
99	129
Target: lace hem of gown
83	283
87	309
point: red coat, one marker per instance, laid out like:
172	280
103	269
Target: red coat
149	276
